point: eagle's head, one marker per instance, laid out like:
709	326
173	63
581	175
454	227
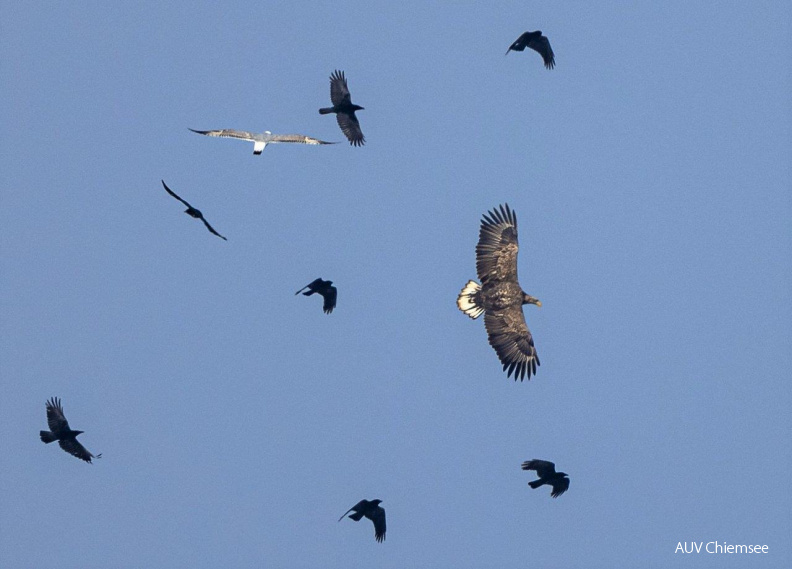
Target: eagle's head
528	299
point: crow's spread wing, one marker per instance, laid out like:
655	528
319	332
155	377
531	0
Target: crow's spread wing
339	92
360	505
560	486
378	517
541	45
519	43
312	286
543	468
55	418
351	128
330	299
171	192
212	229
74	448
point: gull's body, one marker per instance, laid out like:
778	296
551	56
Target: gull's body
261	139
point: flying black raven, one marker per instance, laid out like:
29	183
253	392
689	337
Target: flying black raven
192	212
499	296
326	289
344	109
372	510
537	42
547	475
61	432
261	140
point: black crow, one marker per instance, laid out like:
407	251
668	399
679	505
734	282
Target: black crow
61	432
192	212
537	42
344	109
547	475
326	289
372	510
499	296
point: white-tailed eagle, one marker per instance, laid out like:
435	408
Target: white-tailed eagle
499	296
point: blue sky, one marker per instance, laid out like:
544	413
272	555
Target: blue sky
651	178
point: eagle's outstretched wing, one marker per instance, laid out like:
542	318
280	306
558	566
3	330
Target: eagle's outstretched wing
512	341
496	251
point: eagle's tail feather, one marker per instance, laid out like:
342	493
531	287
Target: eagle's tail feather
469	300
536	483
326	111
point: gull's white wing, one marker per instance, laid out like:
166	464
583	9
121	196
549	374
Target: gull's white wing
297	138
230	133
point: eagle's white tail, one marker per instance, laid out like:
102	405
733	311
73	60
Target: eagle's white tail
466	301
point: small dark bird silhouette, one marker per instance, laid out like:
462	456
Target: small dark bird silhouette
192	212
547	475
344	109
61	432
326	289
372	510
537	42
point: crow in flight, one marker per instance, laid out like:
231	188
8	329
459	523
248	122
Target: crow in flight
537	42
547	475
344	109
499	296
61	432
192	212
373	511
326	289
261	140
